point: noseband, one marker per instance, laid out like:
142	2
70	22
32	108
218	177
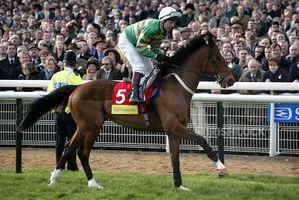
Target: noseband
215	66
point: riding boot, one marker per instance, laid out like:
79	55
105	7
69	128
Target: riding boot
137	96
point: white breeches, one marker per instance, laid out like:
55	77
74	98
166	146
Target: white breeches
138	62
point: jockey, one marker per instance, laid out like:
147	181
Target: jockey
140	42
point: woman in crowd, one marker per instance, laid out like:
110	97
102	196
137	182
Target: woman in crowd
116	60
59	49
43	57
229	57
29	72
93	65
50	69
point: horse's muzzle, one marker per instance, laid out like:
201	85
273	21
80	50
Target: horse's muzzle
230	82
225	84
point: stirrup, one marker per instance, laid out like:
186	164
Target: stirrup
136	100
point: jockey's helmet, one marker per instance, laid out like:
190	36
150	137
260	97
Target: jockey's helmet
169	13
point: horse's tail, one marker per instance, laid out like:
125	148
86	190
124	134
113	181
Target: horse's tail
45	104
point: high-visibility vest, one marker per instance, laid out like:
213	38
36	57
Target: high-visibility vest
63	78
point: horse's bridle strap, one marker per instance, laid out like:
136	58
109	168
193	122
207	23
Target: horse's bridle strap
181	82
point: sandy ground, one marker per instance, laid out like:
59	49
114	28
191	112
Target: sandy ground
157	163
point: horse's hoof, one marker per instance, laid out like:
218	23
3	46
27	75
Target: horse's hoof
222	173
97	187
183	188
93	184
52	183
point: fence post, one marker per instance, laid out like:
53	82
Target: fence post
273	132
220	131
19	118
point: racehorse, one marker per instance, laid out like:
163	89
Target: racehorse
90	105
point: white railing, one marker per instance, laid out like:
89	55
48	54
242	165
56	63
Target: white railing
287	98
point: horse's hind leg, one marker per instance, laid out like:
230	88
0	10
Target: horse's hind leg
73	144
90	136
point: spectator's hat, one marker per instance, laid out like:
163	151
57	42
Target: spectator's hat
204	24
185	29
70	58
33	46
189	5
16	17
94	61
116	53
99	41
97	27
201	3
236	25
72	46
37	7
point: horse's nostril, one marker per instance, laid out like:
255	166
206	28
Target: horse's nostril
231	82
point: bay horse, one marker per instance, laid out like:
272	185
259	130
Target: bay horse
90	105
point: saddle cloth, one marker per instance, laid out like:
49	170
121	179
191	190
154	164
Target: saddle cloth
121	95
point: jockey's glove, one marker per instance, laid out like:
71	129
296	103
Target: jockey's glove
161	58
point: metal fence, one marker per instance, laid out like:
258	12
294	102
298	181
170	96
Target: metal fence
245	130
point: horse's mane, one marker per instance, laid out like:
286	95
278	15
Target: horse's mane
184	53
194	44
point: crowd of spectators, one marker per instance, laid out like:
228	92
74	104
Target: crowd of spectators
252	35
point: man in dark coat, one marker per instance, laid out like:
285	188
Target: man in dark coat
11	64
108	71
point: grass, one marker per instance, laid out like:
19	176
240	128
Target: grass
32	185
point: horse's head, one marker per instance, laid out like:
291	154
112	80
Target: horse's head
215	65
202	57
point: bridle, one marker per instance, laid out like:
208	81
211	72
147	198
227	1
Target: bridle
215	66
211	59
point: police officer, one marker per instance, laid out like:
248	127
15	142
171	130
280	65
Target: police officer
65	124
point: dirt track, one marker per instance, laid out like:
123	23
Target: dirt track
156	163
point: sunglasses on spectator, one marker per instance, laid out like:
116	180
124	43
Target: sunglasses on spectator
105	63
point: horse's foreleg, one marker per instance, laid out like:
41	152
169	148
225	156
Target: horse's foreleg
212	155
84	153
72	145
185	133
174	145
